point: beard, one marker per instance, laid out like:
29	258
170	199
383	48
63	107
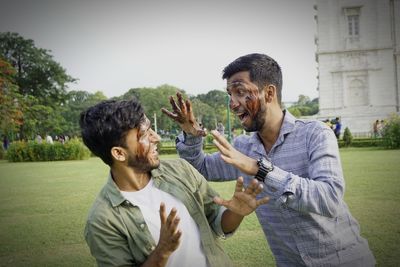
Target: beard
257	121
142	163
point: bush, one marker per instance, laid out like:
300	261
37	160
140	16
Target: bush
363	142
32	151
347	137
391	132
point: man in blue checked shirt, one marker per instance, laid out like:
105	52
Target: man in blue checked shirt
306	222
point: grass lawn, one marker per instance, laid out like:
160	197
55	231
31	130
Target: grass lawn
43	207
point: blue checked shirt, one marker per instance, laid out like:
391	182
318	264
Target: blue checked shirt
306	222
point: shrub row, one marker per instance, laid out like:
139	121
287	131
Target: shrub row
32	151
168	150
363	142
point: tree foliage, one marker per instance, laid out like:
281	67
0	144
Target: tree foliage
304	106
347	137
37	74
152	100
391	132
75	103
10	99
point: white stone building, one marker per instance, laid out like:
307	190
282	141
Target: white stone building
358	45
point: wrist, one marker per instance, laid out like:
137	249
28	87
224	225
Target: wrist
264	167
161	254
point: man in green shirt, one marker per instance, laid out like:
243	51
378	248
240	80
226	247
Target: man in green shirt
152	212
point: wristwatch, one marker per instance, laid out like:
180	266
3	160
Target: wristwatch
264	167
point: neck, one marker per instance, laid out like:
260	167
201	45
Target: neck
272	126
128	179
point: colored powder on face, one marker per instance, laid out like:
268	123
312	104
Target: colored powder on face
252	102
143	139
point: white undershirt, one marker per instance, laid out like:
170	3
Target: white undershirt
148	199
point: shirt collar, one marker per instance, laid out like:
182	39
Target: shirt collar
287	127
288	123
113	192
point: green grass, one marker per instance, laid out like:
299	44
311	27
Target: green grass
43	207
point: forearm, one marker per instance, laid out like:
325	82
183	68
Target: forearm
230	221
313	188
211	166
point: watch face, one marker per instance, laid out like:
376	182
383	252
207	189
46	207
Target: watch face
267	164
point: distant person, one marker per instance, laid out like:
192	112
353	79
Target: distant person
328	123
377	126
39	138
49	139
220	128
306	221
381	125
338	127
153	212
6	142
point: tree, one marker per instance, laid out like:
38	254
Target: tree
10	111
391	132
37	74
304	107
347	137
216	99
204	113
152	100
76	102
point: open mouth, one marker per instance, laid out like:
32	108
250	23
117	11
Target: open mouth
243	116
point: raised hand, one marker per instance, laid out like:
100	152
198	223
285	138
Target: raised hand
231	156
183	114
244	200
169	234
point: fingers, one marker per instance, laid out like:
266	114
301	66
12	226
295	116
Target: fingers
189	108
221	139
262	201
239	184
220	201
221	148
173	219
169	113
163	215
226	159
182	105
173	104
254	188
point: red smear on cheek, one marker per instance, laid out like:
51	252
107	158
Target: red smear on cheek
253	103
140	148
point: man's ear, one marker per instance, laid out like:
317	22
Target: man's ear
118	153
270	93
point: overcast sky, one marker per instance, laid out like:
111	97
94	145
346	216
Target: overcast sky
113	46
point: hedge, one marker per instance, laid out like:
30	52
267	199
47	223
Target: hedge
363	142
20	151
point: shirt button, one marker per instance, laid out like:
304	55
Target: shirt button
152	248
127	202
142	225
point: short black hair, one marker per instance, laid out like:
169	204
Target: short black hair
263	70
106	125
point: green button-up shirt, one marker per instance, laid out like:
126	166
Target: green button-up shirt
116	231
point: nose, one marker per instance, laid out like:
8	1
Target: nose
233	103
154	136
